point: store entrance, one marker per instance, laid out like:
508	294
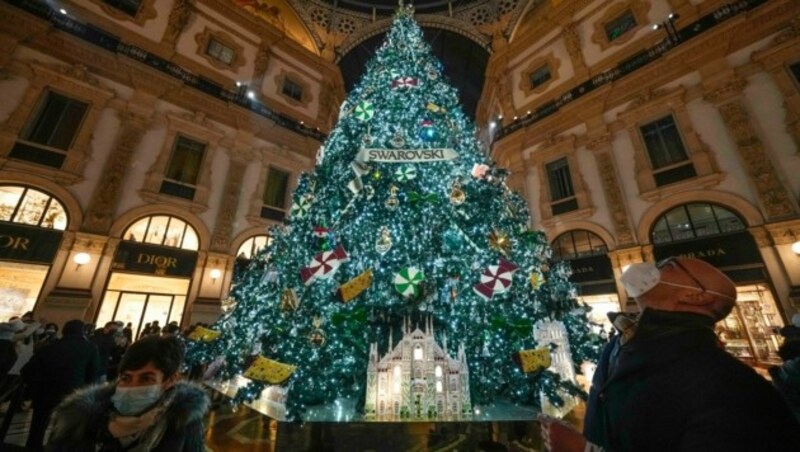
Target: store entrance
143	299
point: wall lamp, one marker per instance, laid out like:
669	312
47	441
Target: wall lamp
81	259
215	274
796	247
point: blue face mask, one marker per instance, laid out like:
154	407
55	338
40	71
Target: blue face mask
136	400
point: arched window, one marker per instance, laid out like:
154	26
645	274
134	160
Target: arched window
418	353
25	205
163	230
252	246
695	220
438	372
439	387
578	243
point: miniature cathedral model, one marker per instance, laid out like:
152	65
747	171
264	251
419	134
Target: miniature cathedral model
417	378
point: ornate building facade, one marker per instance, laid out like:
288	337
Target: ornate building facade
641	129
417	378
145	145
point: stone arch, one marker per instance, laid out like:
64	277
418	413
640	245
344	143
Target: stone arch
124	221
595	228
71	205
747	211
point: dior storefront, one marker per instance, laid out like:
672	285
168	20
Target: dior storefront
32	224
151	273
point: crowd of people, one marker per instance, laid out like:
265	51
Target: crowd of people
97	388
663	382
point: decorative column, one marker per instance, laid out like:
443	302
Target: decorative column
178	18
773	195
223	230
774	58
100	213
573	43
602	150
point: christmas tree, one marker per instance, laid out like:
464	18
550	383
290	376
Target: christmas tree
404	221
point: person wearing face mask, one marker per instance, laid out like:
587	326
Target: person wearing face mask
146	409
23	341
48	336
665	383
55	371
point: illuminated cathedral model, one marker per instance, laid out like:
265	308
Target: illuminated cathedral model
417	378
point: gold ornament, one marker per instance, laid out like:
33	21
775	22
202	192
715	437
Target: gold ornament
384	242
457	196
289	301
269	371
534	359
500	242
317	336
392	202
355	286
537	279
203	334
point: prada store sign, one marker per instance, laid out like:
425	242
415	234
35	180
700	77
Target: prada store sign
28	244
594	268
154	260
720	251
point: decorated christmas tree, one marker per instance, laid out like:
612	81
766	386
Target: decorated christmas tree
404	222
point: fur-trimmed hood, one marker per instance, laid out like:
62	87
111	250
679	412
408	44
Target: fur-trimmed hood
81	415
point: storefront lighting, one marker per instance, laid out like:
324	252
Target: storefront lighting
215	274
81	259
796	247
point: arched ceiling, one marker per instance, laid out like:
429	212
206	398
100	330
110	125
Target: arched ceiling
348	32
464	62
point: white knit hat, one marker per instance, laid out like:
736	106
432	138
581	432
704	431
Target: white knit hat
639	278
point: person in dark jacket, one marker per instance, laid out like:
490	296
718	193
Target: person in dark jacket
147	409
104	340
666	383
54	372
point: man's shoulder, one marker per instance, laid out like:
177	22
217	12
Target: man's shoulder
79	413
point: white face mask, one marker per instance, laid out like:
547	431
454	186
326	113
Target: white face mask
136	400
642	277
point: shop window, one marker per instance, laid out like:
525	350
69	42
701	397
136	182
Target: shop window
274	197
220	52
51	130
666	150
182	173
562	193
165	231
750	331
795	71
292	89
129	7
620	25
695	220
25	205
540	76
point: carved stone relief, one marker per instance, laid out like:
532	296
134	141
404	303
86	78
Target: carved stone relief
601	146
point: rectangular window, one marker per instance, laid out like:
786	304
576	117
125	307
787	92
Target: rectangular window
56	121
129	7
184	167
220	51
540	76
621	25
663	142
292	89
795	70
667	152
562	194
275	190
